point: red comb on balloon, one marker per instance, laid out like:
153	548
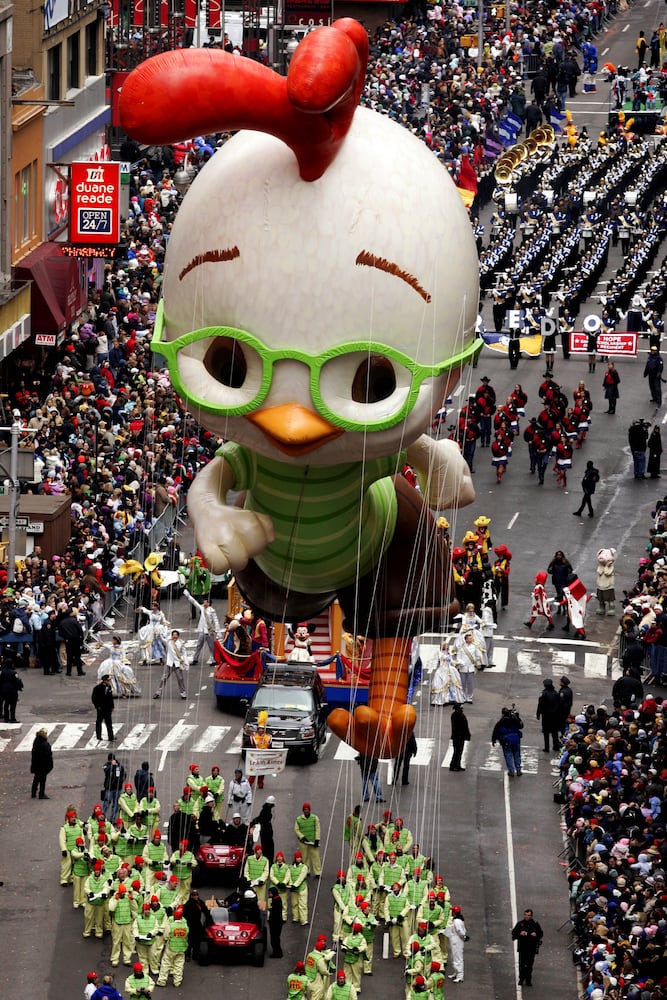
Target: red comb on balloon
188	92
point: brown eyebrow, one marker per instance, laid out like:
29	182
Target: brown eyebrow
210	257
368	259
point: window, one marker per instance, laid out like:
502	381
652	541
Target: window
25	191
92	35
73	71
54	59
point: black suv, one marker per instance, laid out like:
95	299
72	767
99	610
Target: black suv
293	697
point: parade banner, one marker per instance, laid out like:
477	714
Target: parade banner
618	344
265	761
530	343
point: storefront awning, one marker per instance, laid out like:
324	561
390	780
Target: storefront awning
56	296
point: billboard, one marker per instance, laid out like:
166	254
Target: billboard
94	203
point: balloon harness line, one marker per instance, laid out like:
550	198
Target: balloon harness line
426	812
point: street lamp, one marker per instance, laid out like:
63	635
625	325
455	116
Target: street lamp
185	175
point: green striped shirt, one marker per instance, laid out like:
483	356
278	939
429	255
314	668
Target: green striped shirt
332	523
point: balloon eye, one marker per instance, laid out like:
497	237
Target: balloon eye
374	380
226	362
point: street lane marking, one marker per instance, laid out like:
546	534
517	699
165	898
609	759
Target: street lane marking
500	655
513	521
511	872
527	663
95	744
210	738
28	739
70	735
447	759
137	736
595	665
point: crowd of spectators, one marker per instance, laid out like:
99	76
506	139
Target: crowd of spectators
106	430
613	775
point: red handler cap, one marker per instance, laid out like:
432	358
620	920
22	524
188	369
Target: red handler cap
456	910
71	814
136	885
138	968
145	906
339	874
320	945
306	805
138	860
193	768
80	840
258	847
155	899
419	980
122	889
435	966
341	976
415	946
156	833
359	856
128	785
173	879
356	927
182	842
360	877
299	967
151	788
187	790
91	976
178	912
299	855
280	855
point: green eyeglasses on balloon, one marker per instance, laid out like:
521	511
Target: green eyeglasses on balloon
361	385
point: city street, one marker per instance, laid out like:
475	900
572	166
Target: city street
498	842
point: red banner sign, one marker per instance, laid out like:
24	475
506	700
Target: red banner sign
94	203
607	343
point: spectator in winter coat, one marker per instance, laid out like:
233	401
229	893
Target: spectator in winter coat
548	711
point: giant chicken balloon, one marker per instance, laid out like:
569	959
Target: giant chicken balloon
320	297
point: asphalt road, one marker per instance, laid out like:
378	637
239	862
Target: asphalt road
497	843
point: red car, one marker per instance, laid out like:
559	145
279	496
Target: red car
218	863
226	939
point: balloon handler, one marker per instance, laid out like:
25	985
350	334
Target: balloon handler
318	342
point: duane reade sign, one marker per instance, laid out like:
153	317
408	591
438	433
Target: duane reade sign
94	203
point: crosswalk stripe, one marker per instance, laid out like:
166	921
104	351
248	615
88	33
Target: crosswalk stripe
95	744
69	736
447	759
500	656
210	738
527	662
236	744
137	736
596	665
28	740
176	737
495	760
564	658
12	727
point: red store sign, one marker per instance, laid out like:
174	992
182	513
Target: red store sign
94	203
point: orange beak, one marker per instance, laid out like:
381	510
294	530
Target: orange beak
293	429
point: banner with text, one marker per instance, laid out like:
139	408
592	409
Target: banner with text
265	761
